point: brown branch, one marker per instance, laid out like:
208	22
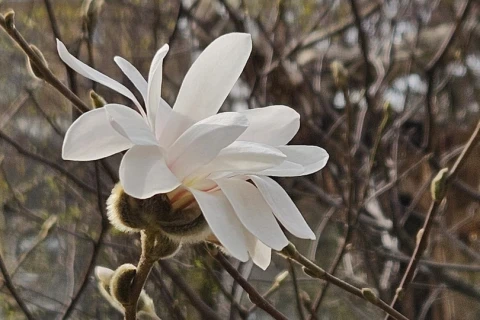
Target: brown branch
255	297
96	246
205	311
8	24
13	290
433	64
315	271
422	238
296	289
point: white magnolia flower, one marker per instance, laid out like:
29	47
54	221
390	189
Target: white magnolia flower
194	154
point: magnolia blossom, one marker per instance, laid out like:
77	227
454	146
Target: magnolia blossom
220	161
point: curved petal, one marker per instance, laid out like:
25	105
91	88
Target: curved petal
274	125
91	137
143	172
212	76
201	143
129	124
174	126
312	158
94	75
285	169
223	222
261	254
133	75
244	156
283	207
155	83
253	211
162	116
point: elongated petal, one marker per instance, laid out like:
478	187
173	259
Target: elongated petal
202	142
212	76
174	126
283	207
253	211
130	124
94	75
243	156
155	83
133	75
274	125
91	137
285	169
312	158
223	221
261	254
162	115
143	172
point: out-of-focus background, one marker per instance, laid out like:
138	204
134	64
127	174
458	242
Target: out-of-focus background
366	207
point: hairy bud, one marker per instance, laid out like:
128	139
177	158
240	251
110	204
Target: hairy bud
438	186
97	100
32	66
121	282
369	295
10	19
340	74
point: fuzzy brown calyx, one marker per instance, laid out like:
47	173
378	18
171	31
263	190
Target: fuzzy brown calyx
121	282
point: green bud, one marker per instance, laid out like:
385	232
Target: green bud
97	100
438	186
340	74
369	295
419	235
281	276
121	282
400	293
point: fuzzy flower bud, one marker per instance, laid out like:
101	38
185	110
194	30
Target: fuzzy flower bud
121	282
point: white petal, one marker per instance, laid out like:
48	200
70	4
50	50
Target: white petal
133	75
260	253
223	222
91	137
253	211
161	117
212	76
202	142
155	83
243	156
130	124
103	274
285	169
312	158
94	75
143	172
283	207
174	126
274	125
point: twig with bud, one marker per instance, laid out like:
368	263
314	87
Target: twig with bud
438	189
315	271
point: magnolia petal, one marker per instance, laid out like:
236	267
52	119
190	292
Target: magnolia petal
94	75
130	124
161	117
143	172
91	137
244	156
274	125
212	76
155	83
174	126
285	169
223	222
261	254
283	207
253	211
133	75
202	142
312	158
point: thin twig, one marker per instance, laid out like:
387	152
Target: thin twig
315	271
255	297
9	27
13	290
